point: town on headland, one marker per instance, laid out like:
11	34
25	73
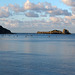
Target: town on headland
65	31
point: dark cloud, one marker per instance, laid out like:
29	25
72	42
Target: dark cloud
31	14
58	12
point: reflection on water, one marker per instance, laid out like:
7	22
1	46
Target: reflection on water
37	54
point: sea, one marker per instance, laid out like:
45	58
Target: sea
37	54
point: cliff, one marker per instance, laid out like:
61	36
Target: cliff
4	30
65	31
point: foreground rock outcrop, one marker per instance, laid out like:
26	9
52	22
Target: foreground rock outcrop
65	31
4	30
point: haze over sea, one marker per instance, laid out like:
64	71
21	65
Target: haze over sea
37	54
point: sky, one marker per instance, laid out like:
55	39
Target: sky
30	16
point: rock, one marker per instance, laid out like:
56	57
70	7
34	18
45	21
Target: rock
51	32
4	30
43	32
65	31
56	32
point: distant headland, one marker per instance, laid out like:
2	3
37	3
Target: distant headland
4	30
65	31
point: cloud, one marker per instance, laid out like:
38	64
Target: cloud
65	21
31	6
56	19
4	12
57	12
12	23
16	8
33	10
70	19
45	15
69	2
27	24
73	10
45	7
31	14
40	24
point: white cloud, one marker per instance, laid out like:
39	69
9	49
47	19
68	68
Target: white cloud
65	21
56	19
16	8
31	8
70	19
45	7
52	22
69	2
4	12
26	24
41	24
35	10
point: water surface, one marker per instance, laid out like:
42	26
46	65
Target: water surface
37	54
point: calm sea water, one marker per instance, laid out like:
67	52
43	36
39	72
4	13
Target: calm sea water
37	54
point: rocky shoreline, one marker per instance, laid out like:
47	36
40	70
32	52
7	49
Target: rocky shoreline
65	31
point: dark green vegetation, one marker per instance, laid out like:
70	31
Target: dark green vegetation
4	30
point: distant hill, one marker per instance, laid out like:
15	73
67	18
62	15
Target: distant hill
4	30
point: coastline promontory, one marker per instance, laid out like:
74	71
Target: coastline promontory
4	30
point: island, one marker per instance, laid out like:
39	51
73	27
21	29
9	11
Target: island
4	30
65	31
